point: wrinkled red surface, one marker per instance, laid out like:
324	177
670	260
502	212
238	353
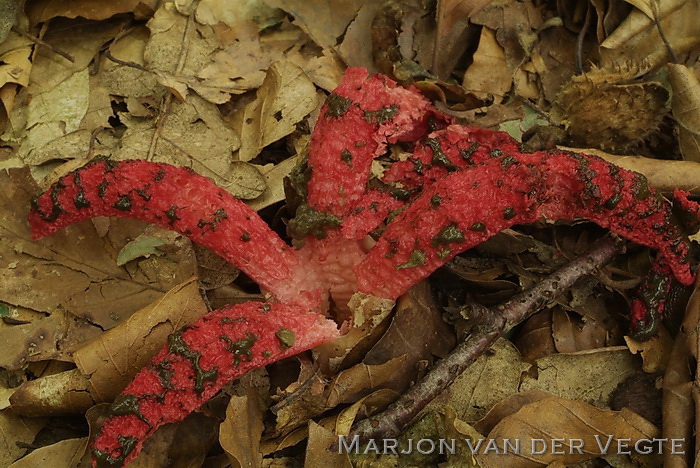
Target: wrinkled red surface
338	183
210	336
173	198
555	185
463	181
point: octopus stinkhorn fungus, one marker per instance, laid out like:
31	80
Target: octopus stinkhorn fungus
461	186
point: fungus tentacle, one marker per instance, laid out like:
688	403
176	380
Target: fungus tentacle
451	215
173	198
197	362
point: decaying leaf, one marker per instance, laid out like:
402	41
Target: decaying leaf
285	97
685	106
587	376
67	452
537	424
40	11
243	446
108	363
490	379
489	74
324	21
637	39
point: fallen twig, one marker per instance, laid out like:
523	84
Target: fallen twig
38	41
394	420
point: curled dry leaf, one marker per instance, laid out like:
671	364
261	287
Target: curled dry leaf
40	11
637	40
284	99
488	75
568	420
108	363
679	403
243	446
67	452
325	21
112	360
685	105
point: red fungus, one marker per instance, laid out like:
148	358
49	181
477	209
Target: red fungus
433	207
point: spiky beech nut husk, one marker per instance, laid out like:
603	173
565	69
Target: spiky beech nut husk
610	109
199	360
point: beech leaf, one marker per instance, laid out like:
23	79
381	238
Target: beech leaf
685	105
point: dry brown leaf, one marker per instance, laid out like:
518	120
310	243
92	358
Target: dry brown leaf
489	74
637	38
15	63
238	67
655	352
685	106
339	423
491	378
572	333
243	446
508	406
212	12
587	376
309	401
318	452
361	379
356	48
417	331
274	182
109	362
65	393
16	431
112	360
40	11
284	99
534	337
679	404
64	453
369	322
565	419
76	273
325	21
450	37
186	443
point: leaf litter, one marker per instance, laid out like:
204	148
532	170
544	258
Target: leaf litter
232	92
